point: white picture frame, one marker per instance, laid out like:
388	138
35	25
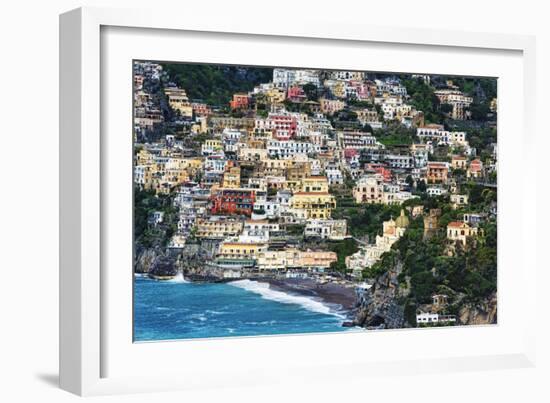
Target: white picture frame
87	343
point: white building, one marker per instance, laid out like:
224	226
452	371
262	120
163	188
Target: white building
427	317
400	161
326	229
285	78
215	164
287	149
434	191
437	134
156	217
334	176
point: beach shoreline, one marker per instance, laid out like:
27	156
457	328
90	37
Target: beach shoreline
341	297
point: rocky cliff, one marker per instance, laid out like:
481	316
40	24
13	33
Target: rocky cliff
379	307
145	259
482	313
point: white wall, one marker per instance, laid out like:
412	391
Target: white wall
28	199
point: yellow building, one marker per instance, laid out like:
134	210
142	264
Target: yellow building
315	259
240	250
313	204
459	162
315	184
292	258
275	95
331	106
277	259
178	101
211	146
192	165
296	172
218	227
460	231
252	154
276	167
144	157
232	178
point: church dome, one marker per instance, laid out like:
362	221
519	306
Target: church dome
402	221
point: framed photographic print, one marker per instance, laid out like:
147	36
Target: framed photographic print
235	202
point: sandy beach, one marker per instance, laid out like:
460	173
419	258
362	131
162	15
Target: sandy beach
329	293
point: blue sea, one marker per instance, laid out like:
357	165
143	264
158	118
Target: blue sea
177	309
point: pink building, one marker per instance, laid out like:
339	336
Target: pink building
296	94
284	126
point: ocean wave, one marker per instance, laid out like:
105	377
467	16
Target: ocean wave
178	278
198	316
280	296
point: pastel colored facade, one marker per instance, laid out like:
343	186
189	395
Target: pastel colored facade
315	259
370	254
276	259
290	148
252	154
275	95
368	116
297	172
296	94
284	125
437	134
232	178
356	140
331	106
284	78
437	172
460	231
458	200
475	170
240	250
369	189
313	204
315	183
223	122
380	169
459	162
334	176
398	161
326	229
201	109
457	100
218	227
211	146
178	101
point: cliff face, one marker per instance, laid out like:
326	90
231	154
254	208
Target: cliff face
145	260
379	306
480	314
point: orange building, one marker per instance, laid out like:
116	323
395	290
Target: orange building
239	101
437	172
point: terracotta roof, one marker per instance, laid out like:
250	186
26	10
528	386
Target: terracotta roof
456	224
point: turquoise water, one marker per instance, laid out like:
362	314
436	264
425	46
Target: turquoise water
166	310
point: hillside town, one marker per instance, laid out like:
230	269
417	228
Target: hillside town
381	183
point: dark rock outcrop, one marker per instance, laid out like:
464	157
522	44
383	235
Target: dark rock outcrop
379	307
483	313
163	267
145	258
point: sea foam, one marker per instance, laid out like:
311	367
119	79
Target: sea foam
282	297
178	278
